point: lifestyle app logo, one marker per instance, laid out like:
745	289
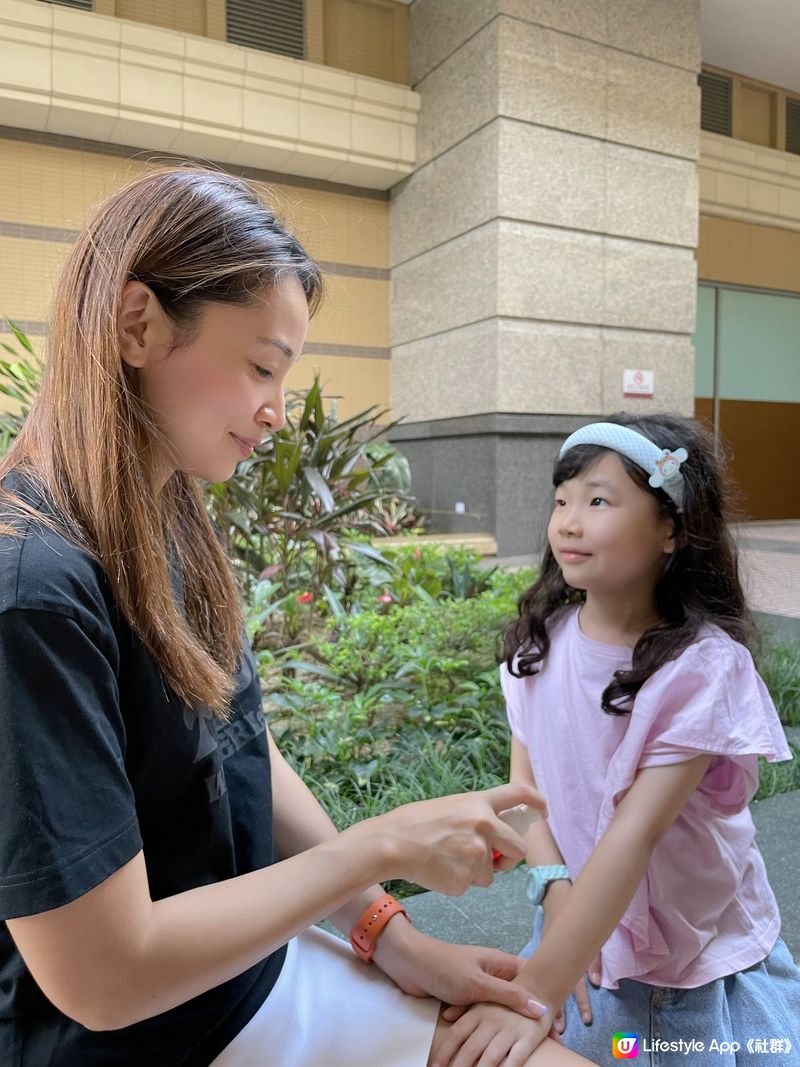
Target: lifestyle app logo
625	1046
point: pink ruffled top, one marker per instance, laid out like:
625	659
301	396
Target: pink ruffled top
704	908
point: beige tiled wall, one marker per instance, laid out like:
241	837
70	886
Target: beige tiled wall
27	272
44	185
367	37
362	36
188	16
337	227
354	313
116	81
749	182
741	253
357	383
53	185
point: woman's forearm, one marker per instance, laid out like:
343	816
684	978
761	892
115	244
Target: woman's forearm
206	936
114	956
300	823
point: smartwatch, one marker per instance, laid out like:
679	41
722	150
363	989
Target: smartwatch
364	935
539	878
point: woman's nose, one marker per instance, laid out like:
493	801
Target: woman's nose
272	415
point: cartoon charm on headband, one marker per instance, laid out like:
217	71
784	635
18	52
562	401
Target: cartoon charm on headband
668	465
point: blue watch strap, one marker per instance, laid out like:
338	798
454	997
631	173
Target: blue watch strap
539	878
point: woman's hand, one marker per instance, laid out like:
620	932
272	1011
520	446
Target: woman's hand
446	844
423	966
489	1035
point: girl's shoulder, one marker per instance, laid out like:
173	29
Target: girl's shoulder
558	631
713	653
711	698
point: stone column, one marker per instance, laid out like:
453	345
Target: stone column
544	243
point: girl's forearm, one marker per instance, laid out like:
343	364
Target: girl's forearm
605	886
542	850
589	913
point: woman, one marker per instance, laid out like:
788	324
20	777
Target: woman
158	853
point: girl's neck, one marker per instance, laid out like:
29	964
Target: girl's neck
617	620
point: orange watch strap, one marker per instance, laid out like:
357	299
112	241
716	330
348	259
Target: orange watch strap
364	935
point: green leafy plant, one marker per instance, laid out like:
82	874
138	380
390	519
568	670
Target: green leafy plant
294	511
780	669
396	513
428	637
19	381
420	571
779	777
397	703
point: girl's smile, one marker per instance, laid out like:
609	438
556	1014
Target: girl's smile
570	555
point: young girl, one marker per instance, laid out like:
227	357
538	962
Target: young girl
635	707
157	854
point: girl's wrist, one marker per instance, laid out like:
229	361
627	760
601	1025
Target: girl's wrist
543	987
555	894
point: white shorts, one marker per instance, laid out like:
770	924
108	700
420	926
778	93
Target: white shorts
328	1009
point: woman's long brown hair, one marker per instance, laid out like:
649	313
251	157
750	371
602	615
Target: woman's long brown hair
195	236
699	582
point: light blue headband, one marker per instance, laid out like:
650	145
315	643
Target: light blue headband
663	466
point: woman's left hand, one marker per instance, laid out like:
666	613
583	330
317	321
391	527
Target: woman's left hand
422	966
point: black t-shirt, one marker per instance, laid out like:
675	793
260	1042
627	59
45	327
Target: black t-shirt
99	759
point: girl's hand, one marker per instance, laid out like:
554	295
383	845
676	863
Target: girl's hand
446	844
422	966
488	1035
581	995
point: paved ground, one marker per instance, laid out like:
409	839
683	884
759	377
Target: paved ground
770	554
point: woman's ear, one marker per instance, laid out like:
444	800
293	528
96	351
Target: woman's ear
143	327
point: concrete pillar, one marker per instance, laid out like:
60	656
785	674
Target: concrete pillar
544	243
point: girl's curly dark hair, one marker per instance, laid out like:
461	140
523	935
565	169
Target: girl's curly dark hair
698	584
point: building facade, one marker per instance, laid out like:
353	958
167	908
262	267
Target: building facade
530	213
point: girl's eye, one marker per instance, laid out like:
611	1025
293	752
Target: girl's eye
559	503
262	372
598	500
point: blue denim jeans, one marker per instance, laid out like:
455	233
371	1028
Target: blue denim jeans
760	1005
